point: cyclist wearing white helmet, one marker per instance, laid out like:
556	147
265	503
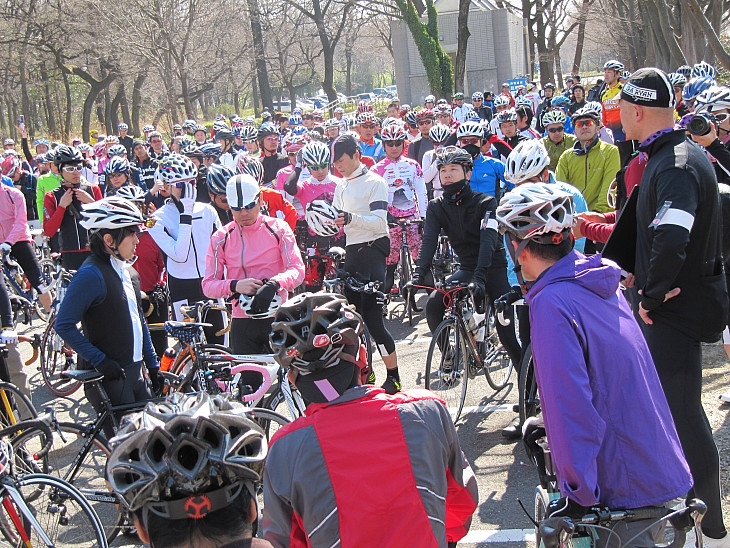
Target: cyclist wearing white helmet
484	112
610	98
604	134
125	139
367	127
488	172
584	337
344	123
307	490
556	141
439	135
183	230
255	260
105	297
501	104
678	82
461	108
199	488
406	196
715	102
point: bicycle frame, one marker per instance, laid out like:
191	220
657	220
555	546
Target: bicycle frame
9	490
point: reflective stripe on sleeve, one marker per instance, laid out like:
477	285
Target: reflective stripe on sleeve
677	217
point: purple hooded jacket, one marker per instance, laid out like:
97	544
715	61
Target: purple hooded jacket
608	424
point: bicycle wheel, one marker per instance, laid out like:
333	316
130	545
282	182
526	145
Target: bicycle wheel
56	357
527	387
14	408
48	272
446	366
277	402
542	499
270	421
497	364
183	366
86	472
62	512
367	340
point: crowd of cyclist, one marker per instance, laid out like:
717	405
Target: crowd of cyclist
234	211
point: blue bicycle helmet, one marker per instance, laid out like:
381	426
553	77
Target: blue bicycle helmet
696	86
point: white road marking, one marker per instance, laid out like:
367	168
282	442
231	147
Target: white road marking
417	340
487	408
498	535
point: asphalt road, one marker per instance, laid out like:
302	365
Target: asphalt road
501	468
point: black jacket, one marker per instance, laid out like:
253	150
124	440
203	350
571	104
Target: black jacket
470	223
679	238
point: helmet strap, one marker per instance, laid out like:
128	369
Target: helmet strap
514	254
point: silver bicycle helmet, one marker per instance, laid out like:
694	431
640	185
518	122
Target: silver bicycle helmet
131	192
320	216
439	133
217	178
471	129
249	165
315	153
507	116
533	210
110	213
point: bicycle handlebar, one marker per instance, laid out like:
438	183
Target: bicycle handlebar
34	424
405	222
265	385
552	530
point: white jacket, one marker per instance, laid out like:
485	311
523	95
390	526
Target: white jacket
365	196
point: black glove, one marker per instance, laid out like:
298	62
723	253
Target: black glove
479	295
512	296
264	296
111	370
155	380
565	507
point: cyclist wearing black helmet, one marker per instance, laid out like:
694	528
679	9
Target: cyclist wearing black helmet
200	488
422	497
225	138
468	219
272	161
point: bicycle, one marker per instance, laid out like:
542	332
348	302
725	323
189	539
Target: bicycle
56	355
404	271
39	509
80	451
461	349
445	262
19	284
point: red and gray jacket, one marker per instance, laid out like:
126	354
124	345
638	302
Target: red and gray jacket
369	469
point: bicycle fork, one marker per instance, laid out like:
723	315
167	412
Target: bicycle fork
19	501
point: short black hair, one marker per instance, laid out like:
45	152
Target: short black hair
550	252
347	143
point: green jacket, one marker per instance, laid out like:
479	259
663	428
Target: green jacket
590	173
556	150
46	183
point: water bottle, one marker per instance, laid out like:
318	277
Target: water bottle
168	357
470	321
480	327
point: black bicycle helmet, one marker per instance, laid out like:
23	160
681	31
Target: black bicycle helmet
267	129
311	331
454	155
217	178
65	154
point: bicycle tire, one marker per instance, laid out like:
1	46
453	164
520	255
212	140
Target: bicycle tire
497	363
182	366
89	476
446	375
266	418
407	276
276	399
62	511
542	499
26	443
367	340
529	402
54	360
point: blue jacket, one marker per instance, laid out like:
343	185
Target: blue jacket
487	174
608	424
375	151
87	288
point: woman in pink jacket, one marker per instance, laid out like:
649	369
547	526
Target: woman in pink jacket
255	260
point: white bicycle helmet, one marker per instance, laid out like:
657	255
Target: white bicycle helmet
703	68
714	98
252	166
596	106
117	164
677	79
116	150
244	301
332	122
315	153
393	132
175	168
320	216
528	159
131	192
501	101
470	129
614	64
429	99
439	133
507	116
533	210
365	118
553	117
110	213
477	96
173	451
249	133
339	110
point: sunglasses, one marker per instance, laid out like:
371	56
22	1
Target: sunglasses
325	165
368	126
179	184
469	141
585	123
247	207
248	141
72	169
721	117
424	122
113	175
393	143
555	129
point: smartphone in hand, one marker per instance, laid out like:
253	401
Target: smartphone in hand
21	121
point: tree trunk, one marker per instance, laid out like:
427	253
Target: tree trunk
259	48
328	80
114	110
51	115
124	104
137	102
461	43
713	41
24	98
558	68
348	71
256	100
545	59
108	111
189	109
67	125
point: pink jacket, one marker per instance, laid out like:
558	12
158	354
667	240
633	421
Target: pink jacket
13	216
265	250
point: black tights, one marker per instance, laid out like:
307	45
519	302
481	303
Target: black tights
497	285
678	360
367	263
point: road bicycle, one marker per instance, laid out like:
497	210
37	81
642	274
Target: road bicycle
404	272
464	345
39	509
18	284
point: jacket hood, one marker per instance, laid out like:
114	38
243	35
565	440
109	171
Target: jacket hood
593	272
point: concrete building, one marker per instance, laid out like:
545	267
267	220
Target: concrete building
495	51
